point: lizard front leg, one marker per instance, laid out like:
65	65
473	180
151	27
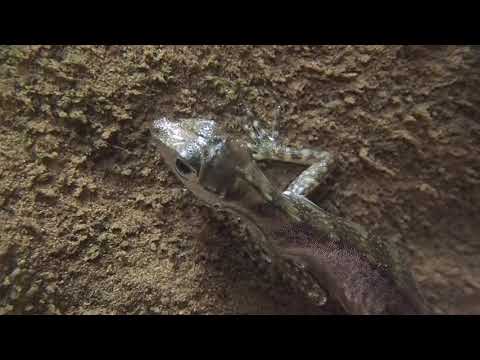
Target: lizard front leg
265	145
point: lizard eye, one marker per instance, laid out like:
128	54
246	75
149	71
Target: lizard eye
183	168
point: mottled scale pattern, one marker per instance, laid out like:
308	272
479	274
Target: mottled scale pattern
261	252
360	286
311	178
289	154
265	146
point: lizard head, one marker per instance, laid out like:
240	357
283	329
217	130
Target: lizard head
185	145
215	167
207	162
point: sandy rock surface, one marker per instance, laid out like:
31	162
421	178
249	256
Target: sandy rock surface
92	222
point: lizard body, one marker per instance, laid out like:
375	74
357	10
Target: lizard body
347	263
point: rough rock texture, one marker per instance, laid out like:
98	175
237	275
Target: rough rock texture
92	222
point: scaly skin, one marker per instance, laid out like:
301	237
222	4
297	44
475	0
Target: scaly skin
356	269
